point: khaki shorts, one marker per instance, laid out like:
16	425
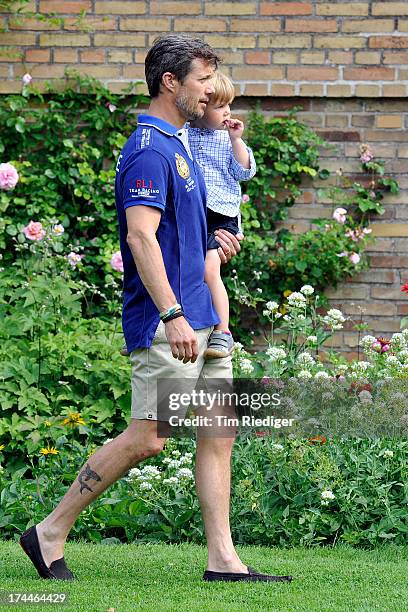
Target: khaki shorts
157	362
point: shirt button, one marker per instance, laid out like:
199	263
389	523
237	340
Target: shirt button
200	147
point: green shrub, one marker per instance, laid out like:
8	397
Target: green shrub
306	492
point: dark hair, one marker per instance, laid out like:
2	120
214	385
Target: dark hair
174	53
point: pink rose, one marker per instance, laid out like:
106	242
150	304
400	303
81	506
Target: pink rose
340	215
117	262
8	176
245	198
34	231
27	78
366	157
354	257
352	234
111	107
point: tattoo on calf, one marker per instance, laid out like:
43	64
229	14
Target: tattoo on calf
85	475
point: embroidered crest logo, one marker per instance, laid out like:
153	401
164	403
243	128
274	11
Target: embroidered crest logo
182	167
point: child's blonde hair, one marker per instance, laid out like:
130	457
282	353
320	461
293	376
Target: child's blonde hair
224	89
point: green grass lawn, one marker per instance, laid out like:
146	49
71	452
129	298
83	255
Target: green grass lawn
161	578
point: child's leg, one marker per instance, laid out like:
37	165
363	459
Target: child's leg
216	286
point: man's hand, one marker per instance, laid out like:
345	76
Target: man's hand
235	128
229	244
182	339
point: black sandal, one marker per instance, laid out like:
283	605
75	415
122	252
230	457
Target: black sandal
251	576
58	569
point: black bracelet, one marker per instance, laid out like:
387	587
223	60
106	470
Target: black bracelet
175	315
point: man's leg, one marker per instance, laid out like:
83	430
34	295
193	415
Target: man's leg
109	463
213	482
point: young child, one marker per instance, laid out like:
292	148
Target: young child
216	143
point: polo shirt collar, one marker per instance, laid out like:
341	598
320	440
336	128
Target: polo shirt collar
159	124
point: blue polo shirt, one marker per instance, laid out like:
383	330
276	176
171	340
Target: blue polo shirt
156	168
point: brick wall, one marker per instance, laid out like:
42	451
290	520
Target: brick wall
346	123
344	62
335	49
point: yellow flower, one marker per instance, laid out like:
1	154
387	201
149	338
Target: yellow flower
73	419
47	423
287	292
2	446
50	450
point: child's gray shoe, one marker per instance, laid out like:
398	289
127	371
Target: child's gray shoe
124	351
220	344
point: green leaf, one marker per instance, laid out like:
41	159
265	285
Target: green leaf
324	174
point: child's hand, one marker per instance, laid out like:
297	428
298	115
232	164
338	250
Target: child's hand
235	128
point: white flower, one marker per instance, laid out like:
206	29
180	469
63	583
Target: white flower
146	486
307	290
312	339
185	460
166	460
275	353
134	473
272	306
403	356
305	360
246	366
327	494
108	440
185	473
320	375
27	78
361	366
336	314
277	447
388	453
398	342
257	274
238	347
58	229
259	290
367	341
296	299
174	463
392	361
334	318
286	318
278	315
176	453
304	374
171	480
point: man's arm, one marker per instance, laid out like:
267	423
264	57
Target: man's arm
142	222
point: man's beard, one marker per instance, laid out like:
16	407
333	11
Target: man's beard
188	107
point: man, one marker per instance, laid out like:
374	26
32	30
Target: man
167	309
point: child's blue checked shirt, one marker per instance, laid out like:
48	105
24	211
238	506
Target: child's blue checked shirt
212	150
